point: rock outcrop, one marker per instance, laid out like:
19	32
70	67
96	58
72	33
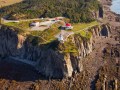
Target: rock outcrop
52	63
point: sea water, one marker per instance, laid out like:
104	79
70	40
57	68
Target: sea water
115	7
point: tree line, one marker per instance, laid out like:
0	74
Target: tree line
76	10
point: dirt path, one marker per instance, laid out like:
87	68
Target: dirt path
43	26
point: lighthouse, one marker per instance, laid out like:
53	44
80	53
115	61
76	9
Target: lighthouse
61	38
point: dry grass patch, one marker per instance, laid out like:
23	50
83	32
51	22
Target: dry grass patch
8	2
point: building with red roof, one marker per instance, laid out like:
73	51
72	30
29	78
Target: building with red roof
67	26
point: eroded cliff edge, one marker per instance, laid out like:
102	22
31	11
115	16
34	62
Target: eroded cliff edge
55	59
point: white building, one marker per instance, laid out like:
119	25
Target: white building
61	38
35	24
67	26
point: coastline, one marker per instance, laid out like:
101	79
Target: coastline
111	17
88	78
115	6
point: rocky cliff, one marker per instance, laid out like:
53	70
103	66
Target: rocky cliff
53	60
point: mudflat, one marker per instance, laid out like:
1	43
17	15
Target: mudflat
8	2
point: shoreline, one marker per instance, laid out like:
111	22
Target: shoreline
20	76
114	7
111	17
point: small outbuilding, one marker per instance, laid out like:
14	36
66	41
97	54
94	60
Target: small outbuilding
67	26
56	18
61	38
35	24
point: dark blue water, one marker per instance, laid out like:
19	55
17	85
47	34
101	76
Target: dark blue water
115	6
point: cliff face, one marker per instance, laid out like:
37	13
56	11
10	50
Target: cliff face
56	63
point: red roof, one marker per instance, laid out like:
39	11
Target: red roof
56	18
68	24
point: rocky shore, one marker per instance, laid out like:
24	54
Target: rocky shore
109	16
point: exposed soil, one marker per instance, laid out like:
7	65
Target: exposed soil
8	2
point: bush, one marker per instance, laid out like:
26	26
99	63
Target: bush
76	10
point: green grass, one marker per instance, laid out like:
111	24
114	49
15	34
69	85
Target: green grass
85	34
47	35
83	26
21	25
68	46
24	25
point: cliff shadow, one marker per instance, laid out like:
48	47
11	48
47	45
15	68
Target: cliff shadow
101	12
15	70
12	69
104	31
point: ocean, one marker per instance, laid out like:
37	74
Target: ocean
115	7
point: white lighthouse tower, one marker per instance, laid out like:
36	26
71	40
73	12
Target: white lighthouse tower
61	38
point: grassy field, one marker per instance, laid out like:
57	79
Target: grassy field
82	26
24	25
21	25
8	2
48	35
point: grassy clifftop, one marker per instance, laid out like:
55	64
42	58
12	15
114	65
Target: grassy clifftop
48	35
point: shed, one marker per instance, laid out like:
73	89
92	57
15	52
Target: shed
36	24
